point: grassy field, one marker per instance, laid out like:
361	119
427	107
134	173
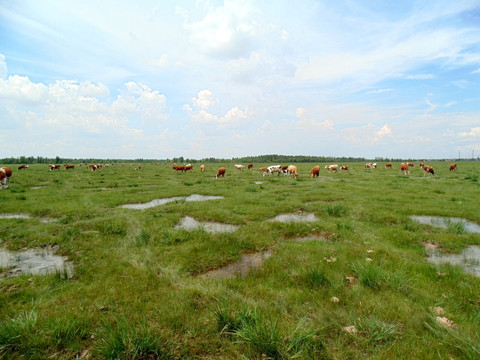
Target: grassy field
135	292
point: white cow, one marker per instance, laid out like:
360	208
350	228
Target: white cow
332	168
239	167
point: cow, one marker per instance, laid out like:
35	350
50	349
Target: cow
262	169
92	167
67	167
428	169
22	167
315	171
410	164
54	167
188	167
421	165
250	166
178	168
404	168
239	167
284	169
221	172
332	168
388	165
202	168
344	168
5	174
292	170
368	166
273	168
453	167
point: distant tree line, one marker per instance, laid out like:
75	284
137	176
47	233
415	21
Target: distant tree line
272	158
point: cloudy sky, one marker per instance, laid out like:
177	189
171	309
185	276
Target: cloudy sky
162	79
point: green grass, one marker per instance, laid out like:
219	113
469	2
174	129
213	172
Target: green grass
135	292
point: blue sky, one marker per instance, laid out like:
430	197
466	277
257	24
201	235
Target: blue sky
162	79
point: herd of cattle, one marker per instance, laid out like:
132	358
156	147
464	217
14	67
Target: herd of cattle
6	172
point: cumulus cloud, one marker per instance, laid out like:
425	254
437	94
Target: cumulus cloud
3	67
205	99
228	31
367	135
310	124
473	133
20	89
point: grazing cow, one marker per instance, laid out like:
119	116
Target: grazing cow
250	166
368	166
421	165
332	168
221	172
292	170
67	167
284	169
202	168
344	168
54	167
453	167
178	168
428	169
410	164
273	168
5	174
315	171
188	167
239	167
388	165
404	168
21	167
92	167
262	169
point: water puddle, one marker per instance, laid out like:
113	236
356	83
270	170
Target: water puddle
33	261
444	222
189	223
158	202
304	217
468	259
259	182
37	187
242	267
310	238
26	217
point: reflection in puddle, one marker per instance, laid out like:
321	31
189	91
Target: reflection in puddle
33	261
443	222
310	238
469	259
241	267
158	202
294	218
189	223
26	216
259	182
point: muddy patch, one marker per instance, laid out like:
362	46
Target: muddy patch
33	261
468	259
159	202
242	267
302	217
189	223
445	222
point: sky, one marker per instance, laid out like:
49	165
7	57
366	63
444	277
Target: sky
159	79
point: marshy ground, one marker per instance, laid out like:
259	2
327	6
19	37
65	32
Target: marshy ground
185	266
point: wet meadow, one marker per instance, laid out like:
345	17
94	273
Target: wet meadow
159	264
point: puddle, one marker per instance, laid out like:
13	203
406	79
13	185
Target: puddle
189	223
259	182
158	202
26	216
294	218
37	187
468	259
242	267
310	238
33	261
443	222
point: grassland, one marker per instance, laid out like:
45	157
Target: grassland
136	293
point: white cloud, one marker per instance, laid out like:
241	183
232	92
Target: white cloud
205	99
3	67
473	133
308	123
421	77
379	91
21	89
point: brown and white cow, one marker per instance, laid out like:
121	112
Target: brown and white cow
250	166
388	165
202	168
274	168
22	167
221	172
188	167
410	164
92	167
315	171
262	169
5	174
54	167
332	168
344	168
428	170
421	165
284	169
404	168
453	167
292	170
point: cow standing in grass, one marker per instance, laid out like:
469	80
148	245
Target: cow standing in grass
5	174
315	171
221	172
